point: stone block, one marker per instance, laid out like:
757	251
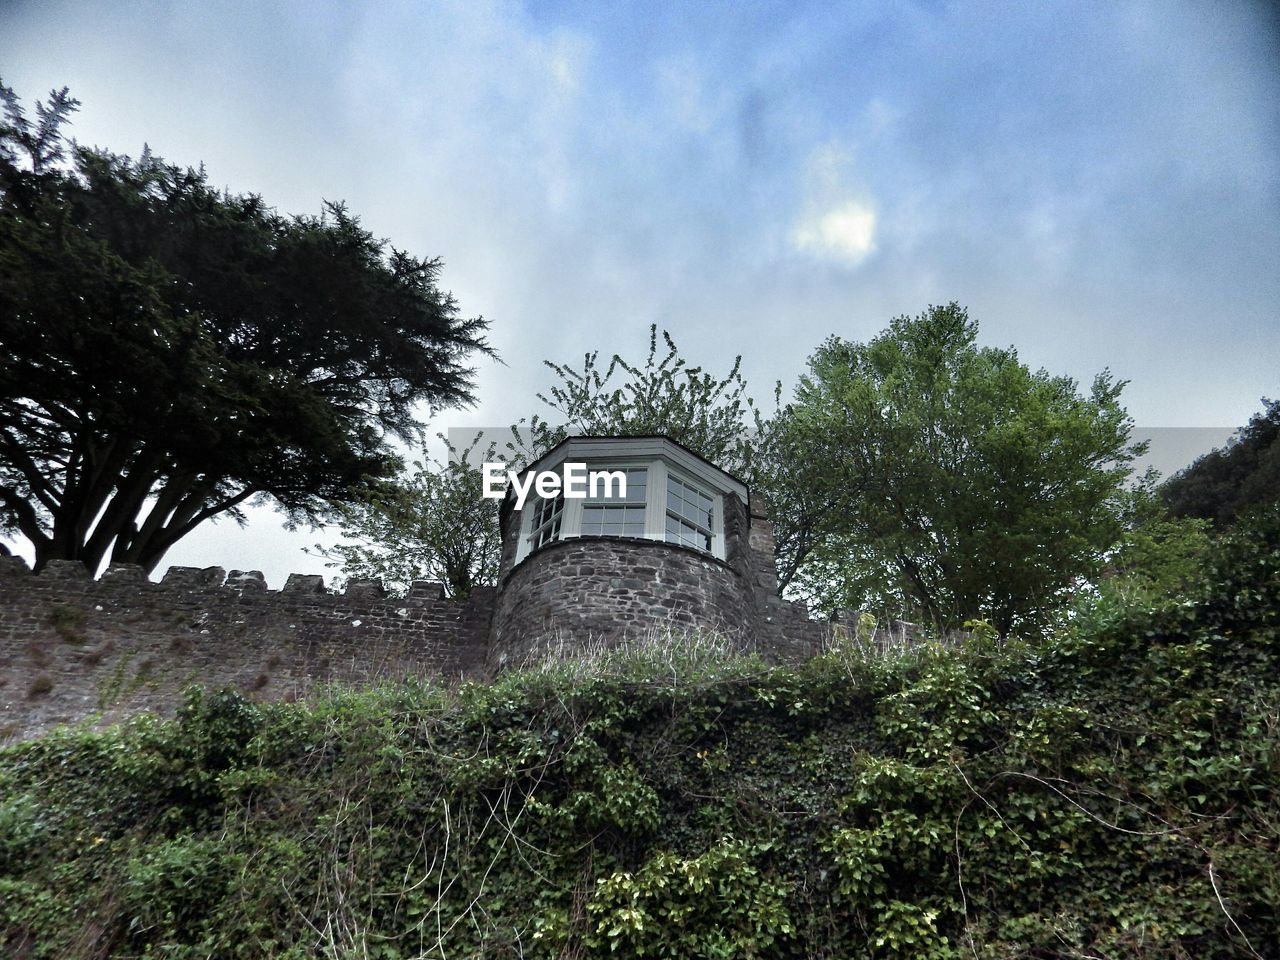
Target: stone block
247	581
426	590
304	583
365	589
65	570
189	578
124	573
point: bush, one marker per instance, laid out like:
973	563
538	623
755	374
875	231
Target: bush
1114	792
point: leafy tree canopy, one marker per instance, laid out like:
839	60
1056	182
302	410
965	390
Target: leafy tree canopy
945	481
432	524
709	414
1230	481
171	350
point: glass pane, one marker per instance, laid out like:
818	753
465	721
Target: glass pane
636	484
687	534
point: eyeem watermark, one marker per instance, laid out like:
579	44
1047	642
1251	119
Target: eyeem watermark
575	483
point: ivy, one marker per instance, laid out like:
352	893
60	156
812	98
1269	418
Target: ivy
1112	792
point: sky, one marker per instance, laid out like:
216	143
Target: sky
1098	183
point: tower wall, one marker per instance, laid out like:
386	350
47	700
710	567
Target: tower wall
594	591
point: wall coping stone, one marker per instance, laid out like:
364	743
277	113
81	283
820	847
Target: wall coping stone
65	570
124	573
247	581
12	566
426	590
365	589
304	583
191	577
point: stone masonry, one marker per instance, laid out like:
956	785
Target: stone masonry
588	591
72	647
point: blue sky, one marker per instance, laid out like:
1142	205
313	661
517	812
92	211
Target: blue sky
1098	183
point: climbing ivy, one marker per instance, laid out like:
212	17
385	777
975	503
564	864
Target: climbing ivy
1113	792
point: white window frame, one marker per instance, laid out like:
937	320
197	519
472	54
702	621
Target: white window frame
655	525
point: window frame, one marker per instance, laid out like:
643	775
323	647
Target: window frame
655	526
708	531
552	517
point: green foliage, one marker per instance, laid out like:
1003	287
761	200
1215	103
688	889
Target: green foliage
1111	792
171	350
946	481
1228	482
1157	558
665	395
717	904
67	622
433	524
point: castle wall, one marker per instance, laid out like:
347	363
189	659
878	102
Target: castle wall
71	646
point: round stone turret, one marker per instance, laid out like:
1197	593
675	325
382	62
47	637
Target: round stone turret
586	562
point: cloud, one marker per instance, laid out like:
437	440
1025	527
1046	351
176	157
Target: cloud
846	233
1093	184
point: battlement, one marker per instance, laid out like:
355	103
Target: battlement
188	578
73	645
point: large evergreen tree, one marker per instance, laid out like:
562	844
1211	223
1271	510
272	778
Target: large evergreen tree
1234	479
169	351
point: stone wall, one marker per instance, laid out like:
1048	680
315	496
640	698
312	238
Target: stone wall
71	646
589	591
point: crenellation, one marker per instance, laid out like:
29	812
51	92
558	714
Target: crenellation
69	643
426	590
364	589
302	583
125	572
251	581
72	646
193	577
67	570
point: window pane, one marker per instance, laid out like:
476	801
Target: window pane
546	521
637	484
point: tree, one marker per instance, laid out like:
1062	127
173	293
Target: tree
1158	556
943	481
710	415
1232	480
171	351
434	524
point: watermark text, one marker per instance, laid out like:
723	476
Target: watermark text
574	482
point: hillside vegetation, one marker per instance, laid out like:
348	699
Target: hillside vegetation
1112	793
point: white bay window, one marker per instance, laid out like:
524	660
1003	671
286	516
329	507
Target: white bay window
672	496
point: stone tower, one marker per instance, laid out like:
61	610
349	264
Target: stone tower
687	547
